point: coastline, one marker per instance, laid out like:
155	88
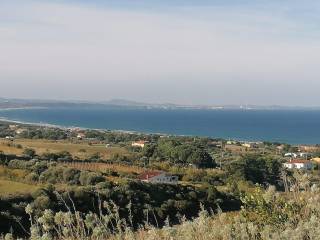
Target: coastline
20	108
228	133
6	120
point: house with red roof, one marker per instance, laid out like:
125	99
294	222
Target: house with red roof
158	177
298	164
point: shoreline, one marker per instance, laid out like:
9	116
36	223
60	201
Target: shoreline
3	119
20	108
48	125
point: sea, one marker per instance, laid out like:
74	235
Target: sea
285	126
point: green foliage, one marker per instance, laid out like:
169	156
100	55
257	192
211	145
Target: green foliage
29	152
63	156
176	152
256	169
90	178
44	133
270	209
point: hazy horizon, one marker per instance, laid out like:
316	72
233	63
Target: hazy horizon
182	52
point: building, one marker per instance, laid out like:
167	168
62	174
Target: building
139	144
231	142
81	136
13	126
304	155
298	164
291	155
21	130
250	145
158	177
280	147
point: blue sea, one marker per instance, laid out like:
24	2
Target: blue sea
289	126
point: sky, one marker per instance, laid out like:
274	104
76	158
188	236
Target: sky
262	52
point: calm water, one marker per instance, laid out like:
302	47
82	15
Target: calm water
291	126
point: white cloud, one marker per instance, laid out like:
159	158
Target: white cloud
191	55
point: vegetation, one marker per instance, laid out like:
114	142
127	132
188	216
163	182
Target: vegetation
56	185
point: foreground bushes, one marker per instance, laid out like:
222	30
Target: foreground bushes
152	203
265	215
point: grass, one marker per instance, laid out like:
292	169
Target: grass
12	174
11	182
81	150
8	187
101	167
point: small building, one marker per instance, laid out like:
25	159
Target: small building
81	136
13	126
250	145
231	142
304	155
140	144
158	177
20	130
298	164
280	147
291	155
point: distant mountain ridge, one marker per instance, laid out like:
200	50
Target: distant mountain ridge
6	103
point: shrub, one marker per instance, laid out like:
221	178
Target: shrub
71	176
29	152
32	177
90	178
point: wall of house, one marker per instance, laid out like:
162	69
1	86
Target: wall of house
163	179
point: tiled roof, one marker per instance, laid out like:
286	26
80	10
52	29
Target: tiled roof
299	161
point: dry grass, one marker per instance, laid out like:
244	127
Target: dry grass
11	182
7	173
8	187
80	150
101	167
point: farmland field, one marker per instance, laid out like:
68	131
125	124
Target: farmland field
82	150
100	167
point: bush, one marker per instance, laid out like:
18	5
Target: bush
52	175
21	164
194	175
71	176
32	177
29	152
90	178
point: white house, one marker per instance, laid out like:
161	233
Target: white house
304	155
81	136
139	144
292	155
298	164
250	144
158	177
21	130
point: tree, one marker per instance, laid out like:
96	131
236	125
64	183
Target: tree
257	169
29	152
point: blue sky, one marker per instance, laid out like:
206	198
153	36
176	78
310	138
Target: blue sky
193	52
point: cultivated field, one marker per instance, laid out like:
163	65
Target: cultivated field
82	150
102	167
